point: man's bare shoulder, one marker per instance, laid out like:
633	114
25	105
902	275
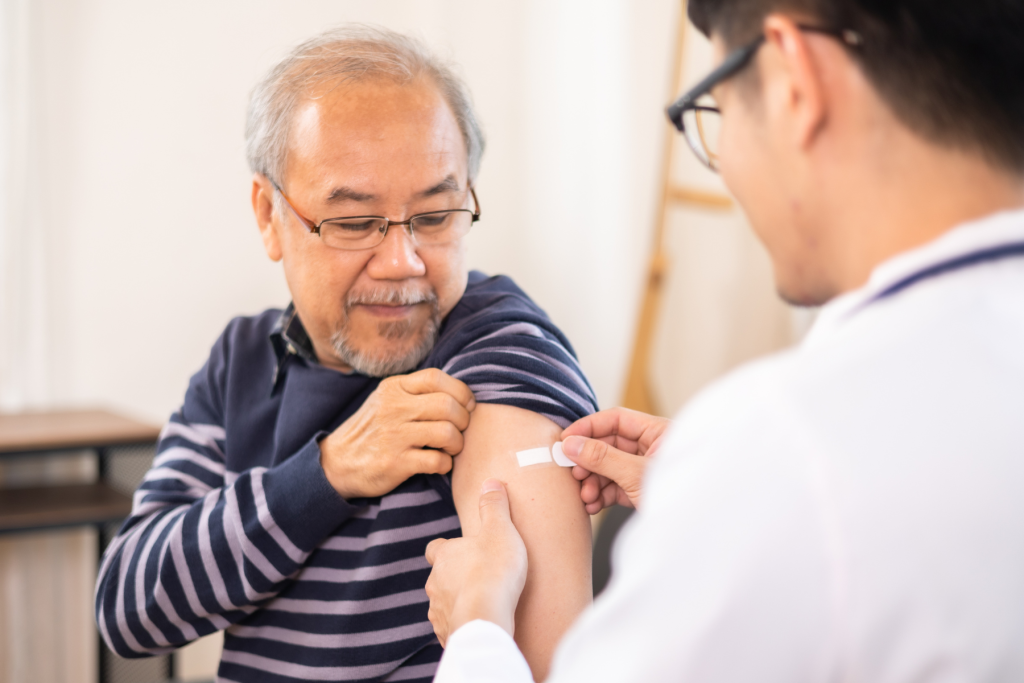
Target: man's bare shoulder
495	435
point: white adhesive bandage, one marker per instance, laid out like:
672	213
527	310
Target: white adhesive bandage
559	456
539	456
534	456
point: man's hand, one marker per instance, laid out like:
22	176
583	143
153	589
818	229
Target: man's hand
480	577
395	432
610	449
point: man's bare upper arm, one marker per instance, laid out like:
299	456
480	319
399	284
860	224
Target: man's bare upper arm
546	510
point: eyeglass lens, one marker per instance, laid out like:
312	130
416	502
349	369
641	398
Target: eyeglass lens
436	228
702	125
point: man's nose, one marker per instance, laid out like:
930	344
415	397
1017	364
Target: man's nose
395	258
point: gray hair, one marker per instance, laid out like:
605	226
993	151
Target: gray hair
347	53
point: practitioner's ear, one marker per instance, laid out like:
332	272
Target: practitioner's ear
792	77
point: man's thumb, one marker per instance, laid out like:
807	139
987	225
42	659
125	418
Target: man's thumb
493	502
600	458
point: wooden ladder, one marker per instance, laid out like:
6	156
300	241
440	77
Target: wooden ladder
639	393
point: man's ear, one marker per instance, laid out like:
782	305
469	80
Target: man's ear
266	218
796	87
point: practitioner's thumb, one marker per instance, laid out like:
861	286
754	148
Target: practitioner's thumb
598	457
493	503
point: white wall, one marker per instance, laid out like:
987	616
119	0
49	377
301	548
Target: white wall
136	188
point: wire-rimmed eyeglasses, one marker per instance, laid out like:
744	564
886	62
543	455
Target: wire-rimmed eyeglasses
366	232
696	116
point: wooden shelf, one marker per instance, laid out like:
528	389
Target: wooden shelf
51	431
58	506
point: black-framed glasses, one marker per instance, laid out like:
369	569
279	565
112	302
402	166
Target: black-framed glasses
366	232
698	118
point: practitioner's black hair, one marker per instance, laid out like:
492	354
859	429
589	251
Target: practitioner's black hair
952	70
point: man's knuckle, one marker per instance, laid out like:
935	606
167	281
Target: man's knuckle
437	433
450	432
441	404
406	432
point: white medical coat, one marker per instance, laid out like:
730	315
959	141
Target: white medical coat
850	510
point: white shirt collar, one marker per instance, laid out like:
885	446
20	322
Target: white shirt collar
984	233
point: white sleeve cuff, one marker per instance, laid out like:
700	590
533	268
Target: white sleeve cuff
482	652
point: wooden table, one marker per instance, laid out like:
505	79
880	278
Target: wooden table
42	433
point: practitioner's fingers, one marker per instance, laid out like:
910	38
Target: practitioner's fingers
598	457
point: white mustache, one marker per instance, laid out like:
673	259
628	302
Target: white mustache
390	296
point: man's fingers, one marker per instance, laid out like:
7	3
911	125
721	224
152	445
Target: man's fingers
443	436
493	503
426	461
433	548
433	380
438	406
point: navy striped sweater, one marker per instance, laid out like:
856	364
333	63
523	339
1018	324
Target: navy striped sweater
236	528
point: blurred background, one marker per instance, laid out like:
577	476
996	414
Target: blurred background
127	240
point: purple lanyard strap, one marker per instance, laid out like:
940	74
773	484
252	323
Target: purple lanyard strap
998	253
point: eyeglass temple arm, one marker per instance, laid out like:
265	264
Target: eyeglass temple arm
736	60
476	204
310	225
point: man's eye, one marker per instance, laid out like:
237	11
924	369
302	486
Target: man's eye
353	226
431	221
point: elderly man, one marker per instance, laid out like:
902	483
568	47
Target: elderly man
313	459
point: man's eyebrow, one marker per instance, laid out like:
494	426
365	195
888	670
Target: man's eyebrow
347	194
449	184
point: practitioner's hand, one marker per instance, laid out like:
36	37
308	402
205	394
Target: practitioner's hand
410	424
611	450
480	577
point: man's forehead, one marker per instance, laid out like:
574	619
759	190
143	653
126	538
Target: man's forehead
357	134
370	110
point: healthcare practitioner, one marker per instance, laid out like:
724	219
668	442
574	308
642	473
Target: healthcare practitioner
853	509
